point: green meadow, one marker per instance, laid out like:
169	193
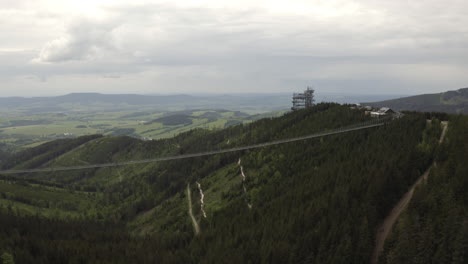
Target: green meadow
22	129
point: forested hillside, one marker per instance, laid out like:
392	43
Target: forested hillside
448	102
313	201
434	229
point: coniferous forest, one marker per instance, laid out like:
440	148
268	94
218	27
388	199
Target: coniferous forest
319	200
434	229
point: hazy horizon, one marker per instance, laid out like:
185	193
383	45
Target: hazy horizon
52	47
208	94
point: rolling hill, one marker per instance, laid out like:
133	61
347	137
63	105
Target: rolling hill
449	102
86	102
313	201
83	102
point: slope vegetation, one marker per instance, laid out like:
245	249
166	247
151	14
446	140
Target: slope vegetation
315	201
434	228
449	102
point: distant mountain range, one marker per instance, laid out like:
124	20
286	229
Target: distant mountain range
111	102
118	102
449	102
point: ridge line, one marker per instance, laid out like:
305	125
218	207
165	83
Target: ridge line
365	125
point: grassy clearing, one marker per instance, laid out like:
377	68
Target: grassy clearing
153	220
218	188
217	185
26	209
35	198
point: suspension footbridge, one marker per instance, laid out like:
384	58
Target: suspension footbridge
355	127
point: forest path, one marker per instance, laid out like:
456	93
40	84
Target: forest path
202	202
249	205
444	124
196	227
390	220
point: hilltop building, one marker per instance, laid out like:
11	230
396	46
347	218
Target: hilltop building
382	112
303	100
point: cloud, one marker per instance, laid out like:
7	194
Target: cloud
154	33
253	45
85	40
165	33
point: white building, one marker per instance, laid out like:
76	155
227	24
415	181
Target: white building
382	112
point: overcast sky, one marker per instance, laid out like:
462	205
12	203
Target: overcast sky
52	47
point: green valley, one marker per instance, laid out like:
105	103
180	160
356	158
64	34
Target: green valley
312	201
23	130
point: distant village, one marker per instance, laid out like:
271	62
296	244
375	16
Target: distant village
306	99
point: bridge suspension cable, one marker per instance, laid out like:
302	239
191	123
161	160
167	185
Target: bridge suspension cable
359	126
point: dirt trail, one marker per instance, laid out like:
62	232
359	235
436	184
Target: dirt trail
444	124
196	227
243	184
202	202
390	220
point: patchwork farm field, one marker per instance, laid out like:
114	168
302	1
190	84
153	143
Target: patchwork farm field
24	130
